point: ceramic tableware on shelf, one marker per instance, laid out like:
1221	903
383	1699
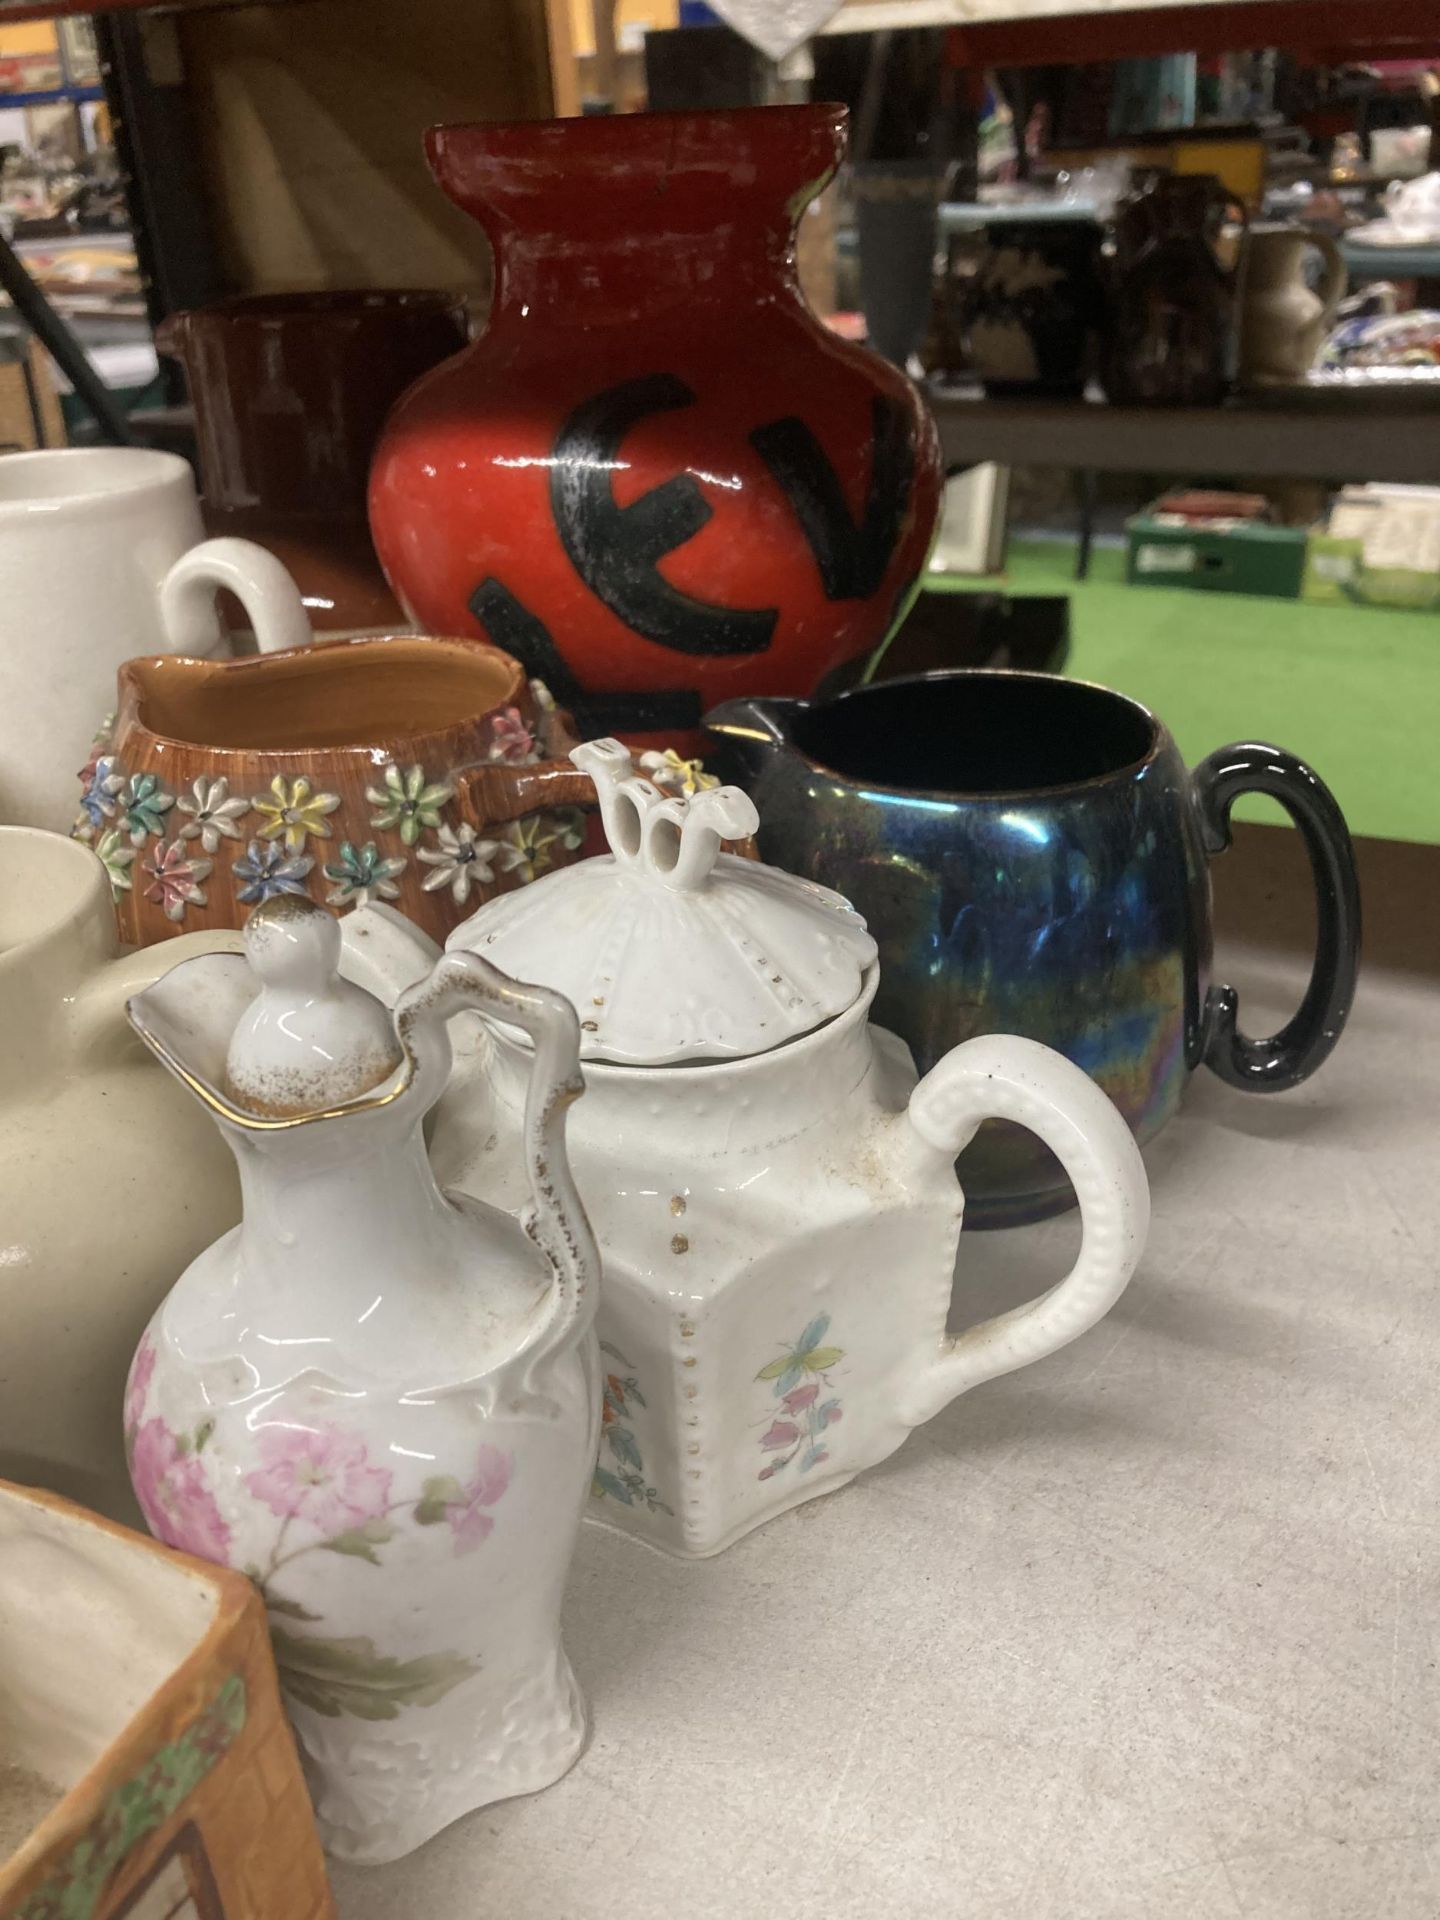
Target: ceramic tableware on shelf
1282	323
656	477
404	768
1031	855
380	1403
1033	315
103	555
146	1769
107	1187
290	392
1174	328
773	1195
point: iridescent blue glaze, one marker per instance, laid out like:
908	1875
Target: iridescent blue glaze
1031	855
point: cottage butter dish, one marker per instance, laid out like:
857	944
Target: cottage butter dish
774	1196
146	1770
380	1403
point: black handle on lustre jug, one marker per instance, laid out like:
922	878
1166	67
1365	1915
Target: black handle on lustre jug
1305	1042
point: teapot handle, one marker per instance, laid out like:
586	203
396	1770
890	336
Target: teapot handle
1003	1077
555	1218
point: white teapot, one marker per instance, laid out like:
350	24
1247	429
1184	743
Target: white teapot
773	1195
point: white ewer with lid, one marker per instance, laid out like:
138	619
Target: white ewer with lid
380	1403
774	1197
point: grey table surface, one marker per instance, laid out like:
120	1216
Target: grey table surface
1145	1630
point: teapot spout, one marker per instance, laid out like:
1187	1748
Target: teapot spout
752	732
383	952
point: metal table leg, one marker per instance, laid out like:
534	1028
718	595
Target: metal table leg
1086	478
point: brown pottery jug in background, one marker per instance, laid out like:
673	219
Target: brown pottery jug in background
290	392
1175	316
427	773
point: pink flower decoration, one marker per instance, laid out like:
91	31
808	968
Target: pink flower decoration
138	1385
468	1520
320	1475
173	1496
511	739
177	876
781	1434
799	1398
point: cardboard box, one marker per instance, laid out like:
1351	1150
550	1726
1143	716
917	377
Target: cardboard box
1380	548
1331	564
1216	556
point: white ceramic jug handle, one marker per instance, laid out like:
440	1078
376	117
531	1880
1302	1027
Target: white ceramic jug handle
555	1218
256	578
1002	1077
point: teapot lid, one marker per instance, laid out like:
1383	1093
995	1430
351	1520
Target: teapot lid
669	949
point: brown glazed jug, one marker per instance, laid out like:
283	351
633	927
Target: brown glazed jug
290	392
1175	319
428	774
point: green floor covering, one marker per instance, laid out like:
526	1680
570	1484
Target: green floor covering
1353	690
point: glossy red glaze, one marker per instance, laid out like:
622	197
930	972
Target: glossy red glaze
655	463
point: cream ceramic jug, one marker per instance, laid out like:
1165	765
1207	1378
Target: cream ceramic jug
102	557
774	1196
1282	323
380	1403
107	1186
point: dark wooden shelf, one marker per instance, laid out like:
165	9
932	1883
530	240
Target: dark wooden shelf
1270	440
11	10
1334	31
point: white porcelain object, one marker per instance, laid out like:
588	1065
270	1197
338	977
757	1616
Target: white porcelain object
1401	152
776	27
1282	323
774	1197
103	557
107	1186
380	1403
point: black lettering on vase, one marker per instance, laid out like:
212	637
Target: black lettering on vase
852	559
514	628
512	625
616	550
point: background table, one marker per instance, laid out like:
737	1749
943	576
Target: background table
1145	1631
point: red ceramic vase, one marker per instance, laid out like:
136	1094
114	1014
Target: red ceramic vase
656	477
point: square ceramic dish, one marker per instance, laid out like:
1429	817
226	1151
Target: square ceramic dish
146	1769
